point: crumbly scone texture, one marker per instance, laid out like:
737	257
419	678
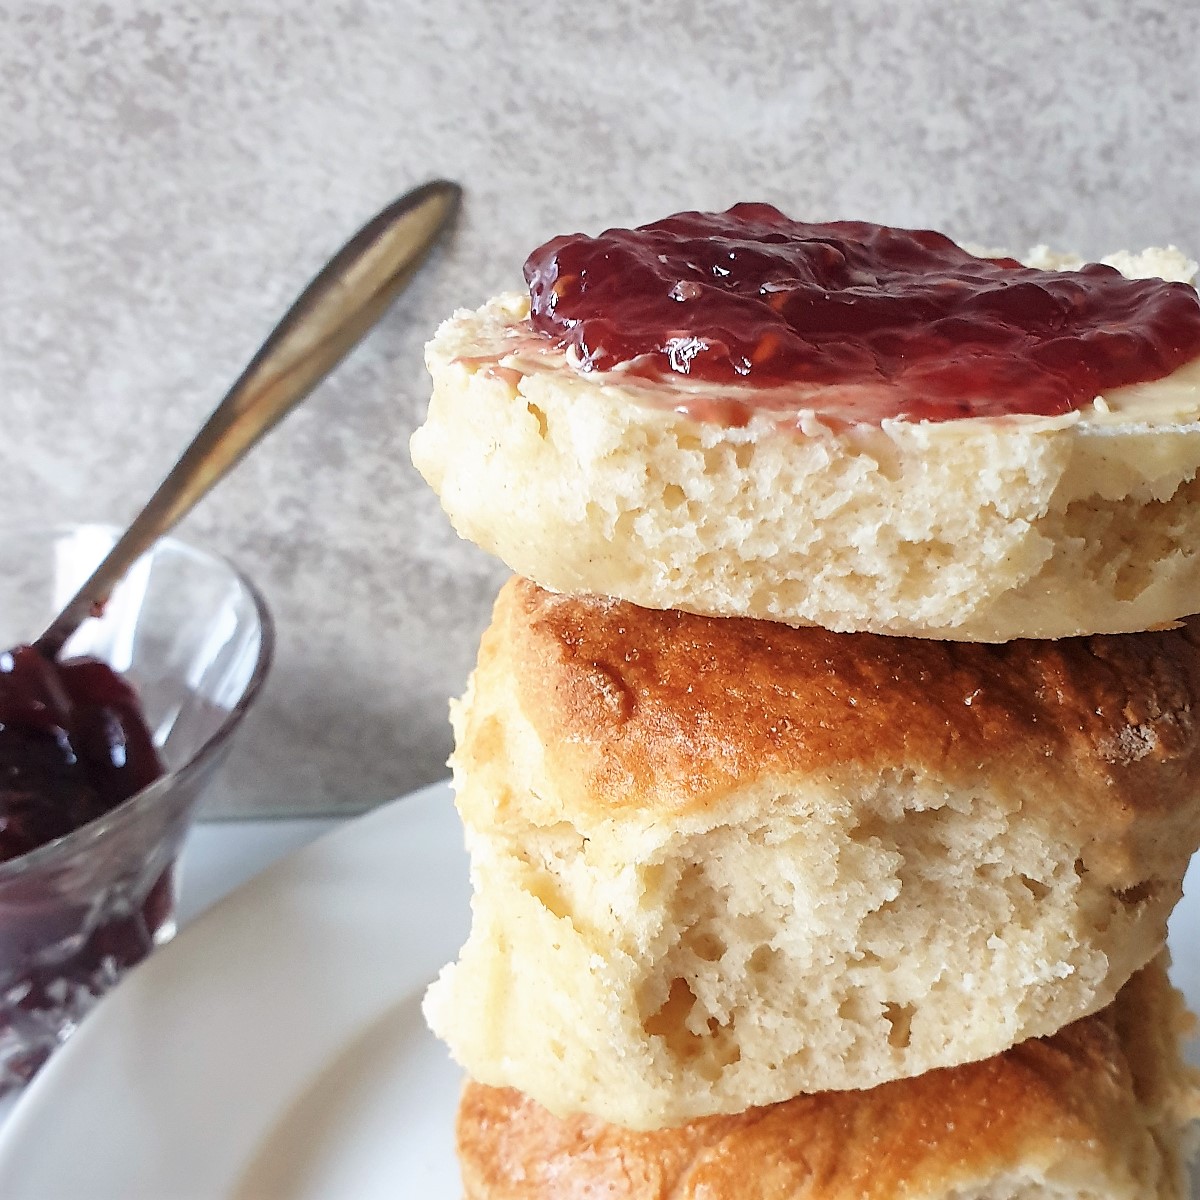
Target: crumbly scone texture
1098	1111
720	863
976	529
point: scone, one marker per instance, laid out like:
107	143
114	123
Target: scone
1099	1111
718	863
849	496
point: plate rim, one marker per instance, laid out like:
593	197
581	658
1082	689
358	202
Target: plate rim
288	878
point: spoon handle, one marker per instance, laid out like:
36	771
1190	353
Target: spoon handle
328	319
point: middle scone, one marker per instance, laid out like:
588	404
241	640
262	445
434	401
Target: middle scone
721	862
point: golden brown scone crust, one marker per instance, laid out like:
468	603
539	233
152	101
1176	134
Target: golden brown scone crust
1099	1109
656	715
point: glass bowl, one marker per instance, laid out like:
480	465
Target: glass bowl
194	637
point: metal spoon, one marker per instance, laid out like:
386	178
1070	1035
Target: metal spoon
328	319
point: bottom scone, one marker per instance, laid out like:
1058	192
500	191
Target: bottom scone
1101	1110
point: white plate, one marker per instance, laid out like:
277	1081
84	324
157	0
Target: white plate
276	1047
275	1050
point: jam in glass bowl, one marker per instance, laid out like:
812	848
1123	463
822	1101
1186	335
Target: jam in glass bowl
87	877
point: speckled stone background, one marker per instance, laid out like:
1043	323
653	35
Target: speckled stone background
173	173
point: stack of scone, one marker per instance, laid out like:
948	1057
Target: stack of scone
769	901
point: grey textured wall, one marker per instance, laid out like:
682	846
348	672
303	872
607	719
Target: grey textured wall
172	173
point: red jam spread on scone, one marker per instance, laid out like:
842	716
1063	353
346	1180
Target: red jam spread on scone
908	322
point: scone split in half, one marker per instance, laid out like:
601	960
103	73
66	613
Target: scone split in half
880	483
718	864
1102	1110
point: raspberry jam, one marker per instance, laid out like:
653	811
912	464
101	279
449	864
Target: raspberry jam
73	746
913	325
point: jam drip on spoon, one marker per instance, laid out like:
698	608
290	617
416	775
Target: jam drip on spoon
922	328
